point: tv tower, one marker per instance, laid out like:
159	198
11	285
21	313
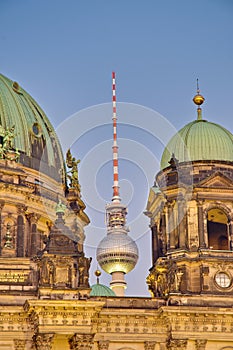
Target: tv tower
117	253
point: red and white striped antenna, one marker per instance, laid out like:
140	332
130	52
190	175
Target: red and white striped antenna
116	196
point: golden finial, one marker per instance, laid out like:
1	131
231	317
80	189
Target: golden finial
198	100
98	274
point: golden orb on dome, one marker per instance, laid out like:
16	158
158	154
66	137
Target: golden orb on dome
98	273
198	99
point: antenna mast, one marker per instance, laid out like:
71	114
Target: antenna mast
116	196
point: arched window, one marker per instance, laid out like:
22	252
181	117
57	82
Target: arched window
217	229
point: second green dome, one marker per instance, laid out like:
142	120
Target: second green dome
197	141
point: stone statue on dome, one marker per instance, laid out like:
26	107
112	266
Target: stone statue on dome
72	174
8	138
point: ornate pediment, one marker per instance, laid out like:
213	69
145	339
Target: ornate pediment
217	180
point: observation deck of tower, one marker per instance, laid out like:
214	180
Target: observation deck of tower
117	253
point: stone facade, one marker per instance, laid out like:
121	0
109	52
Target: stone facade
117	323
44	273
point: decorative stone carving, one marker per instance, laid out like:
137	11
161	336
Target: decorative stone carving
200	344
46	269
103	344
32	217
149	345
19	344
8	238
21	209
164	278
43	341
83	270
72	163
7	150
81	341
177	344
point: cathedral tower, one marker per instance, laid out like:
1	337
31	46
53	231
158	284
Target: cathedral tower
190	208
117	253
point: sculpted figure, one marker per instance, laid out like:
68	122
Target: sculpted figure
72	163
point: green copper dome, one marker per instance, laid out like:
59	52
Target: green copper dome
34	136
100	290
197	141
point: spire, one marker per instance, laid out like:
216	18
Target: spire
116	197
117	253
198	100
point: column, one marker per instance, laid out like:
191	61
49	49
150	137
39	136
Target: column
171	230
182	221
200	344
34	239
202	243
103	344
81	341
149	345
21	248
43	341
163	230
154	240
1	207
230	229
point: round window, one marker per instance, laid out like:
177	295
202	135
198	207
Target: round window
36	129
223	280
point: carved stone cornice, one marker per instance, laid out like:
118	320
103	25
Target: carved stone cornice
149	345
103	344
43	341
81	341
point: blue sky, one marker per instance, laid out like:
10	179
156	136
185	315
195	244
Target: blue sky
63	53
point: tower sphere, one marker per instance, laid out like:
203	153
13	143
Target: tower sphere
117	252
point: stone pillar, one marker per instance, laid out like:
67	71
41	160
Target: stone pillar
230	229
149	345
43	341
202	243
200	344
1	207
182	220
163	230
81	341
155	246
21	247
34	239
103	344
171	228
162	346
